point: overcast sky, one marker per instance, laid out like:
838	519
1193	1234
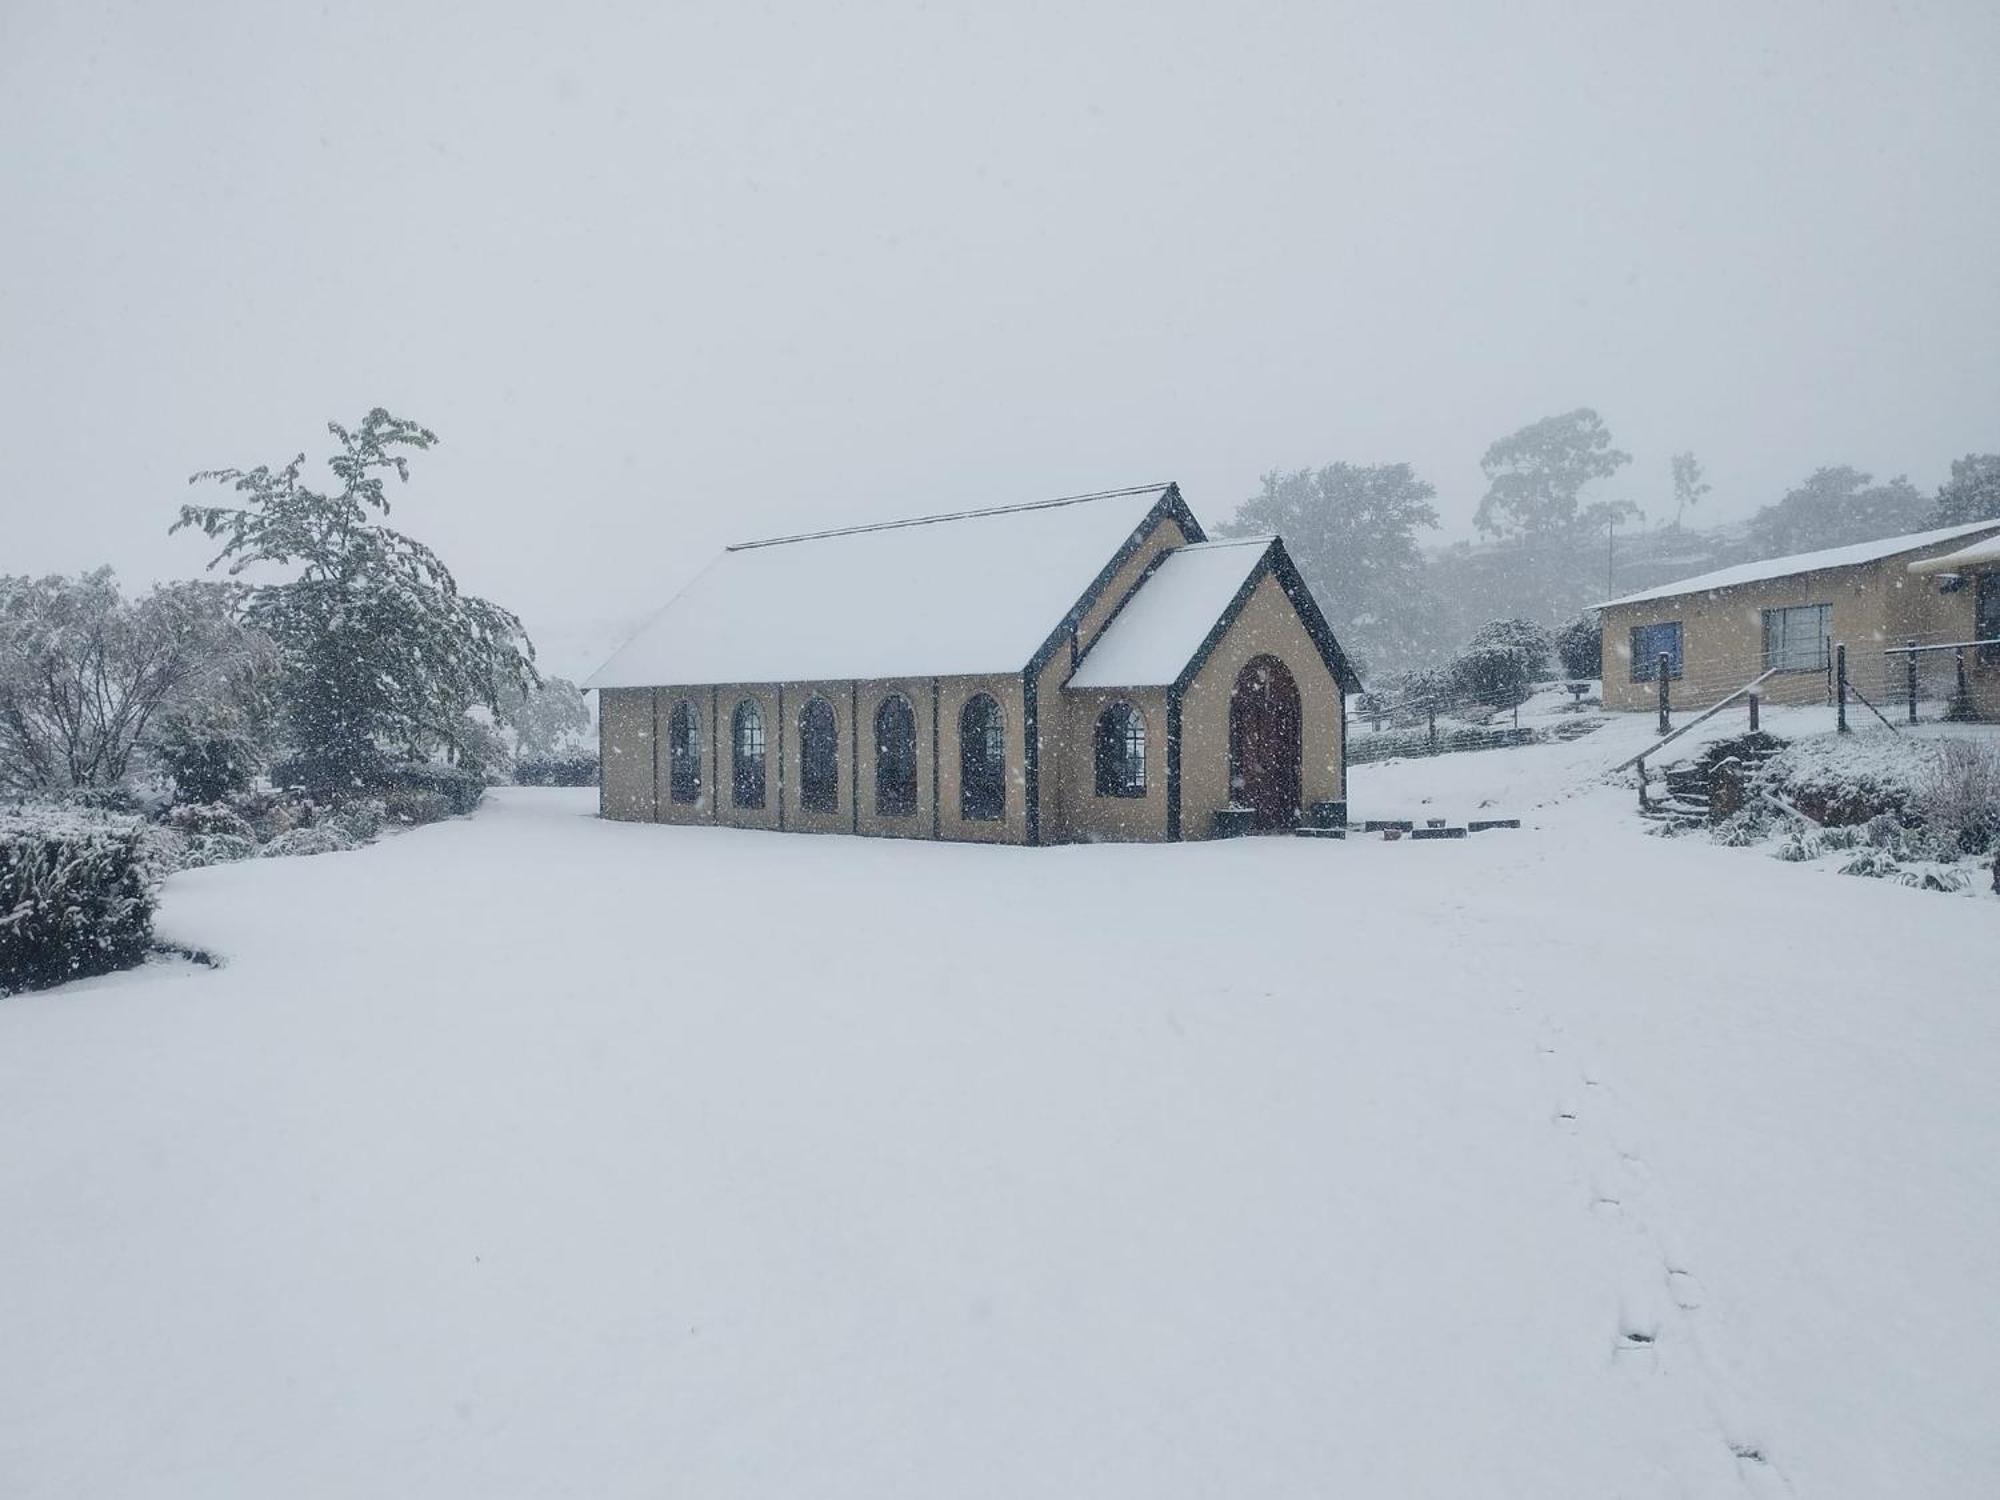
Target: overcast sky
663	276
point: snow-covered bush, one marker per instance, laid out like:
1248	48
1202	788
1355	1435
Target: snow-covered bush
207	752
1580	646
217	849
1872	861
74	899
1798	847
409	806
1501	664
569	770
1750	824
360	820
1960	795
209	817
462	789
321	838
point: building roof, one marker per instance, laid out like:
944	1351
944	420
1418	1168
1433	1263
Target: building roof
1981	554
1160	628
1802	562
969	592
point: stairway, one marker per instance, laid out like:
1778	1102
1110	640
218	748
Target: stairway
1708	788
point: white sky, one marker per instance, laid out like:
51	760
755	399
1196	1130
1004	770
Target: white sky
664	277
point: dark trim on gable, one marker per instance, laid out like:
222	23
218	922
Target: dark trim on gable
1343	750
1174	764
780	727
1032	764
854	752
656	756
1170	504
1276	562
715	755
1314	619
937	767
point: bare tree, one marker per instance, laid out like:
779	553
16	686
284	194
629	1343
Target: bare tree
85	672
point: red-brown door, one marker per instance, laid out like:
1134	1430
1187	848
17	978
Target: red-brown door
1264	742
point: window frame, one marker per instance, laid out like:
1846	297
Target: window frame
982	797
1986	618
748	783
1651	670
819	777
903	804
684	753
1118	751
1780	616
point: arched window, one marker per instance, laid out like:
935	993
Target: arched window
895	757
683	754
819	757
982	760
747	766
1121	752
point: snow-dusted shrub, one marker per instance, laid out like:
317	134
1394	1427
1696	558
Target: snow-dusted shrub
409	806
1873	862
1833	839
209	817
74	899
461	788
360	820
1937	880
1799	847
571	770
1840	780
1580	646
207	751
1960	795
1750	824
216	849
321	838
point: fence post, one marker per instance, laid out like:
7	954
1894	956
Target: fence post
1665	706
1431	712
1912	675
1962	703
1840	686
1753	713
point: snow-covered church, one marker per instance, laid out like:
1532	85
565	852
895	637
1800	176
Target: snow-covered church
1091	667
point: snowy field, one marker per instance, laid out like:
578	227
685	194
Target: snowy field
530	1155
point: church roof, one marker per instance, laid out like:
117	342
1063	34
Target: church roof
1163	633
971	592
1151	640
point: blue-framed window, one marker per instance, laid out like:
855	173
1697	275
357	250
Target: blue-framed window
1648	641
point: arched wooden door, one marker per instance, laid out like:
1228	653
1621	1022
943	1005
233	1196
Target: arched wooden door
1264	730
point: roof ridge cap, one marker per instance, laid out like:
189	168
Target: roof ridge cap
956	515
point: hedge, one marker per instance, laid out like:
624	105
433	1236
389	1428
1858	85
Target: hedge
567	770
73	897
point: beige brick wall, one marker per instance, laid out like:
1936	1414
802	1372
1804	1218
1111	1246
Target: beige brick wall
1268	625
1874	606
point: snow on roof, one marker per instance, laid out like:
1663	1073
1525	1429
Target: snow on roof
1979	554
1152	639
1802	562
975	591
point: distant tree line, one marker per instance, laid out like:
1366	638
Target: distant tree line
1553	544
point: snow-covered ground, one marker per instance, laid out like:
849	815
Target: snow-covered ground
530	1154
